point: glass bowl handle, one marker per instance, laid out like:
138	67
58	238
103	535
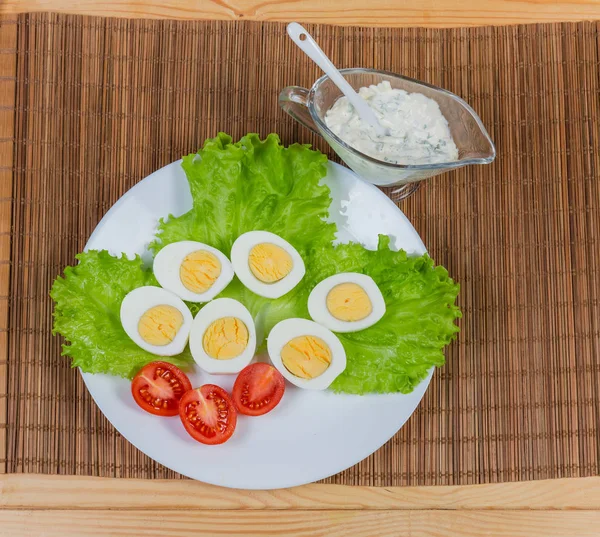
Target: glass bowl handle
294	101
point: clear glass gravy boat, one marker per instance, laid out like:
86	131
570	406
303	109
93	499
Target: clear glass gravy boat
309	107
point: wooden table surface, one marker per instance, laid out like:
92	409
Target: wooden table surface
56	506
32	505
355	12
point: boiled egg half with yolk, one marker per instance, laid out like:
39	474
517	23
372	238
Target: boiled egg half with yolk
266	264
307	354
156	320
192	270
223	337
346	302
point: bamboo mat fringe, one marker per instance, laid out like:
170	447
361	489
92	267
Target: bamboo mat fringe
90	106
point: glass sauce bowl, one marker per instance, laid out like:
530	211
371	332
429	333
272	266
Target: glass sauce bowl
309	107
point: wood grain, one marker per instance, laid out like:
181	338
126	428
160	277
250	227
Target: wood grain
32	505
300	524
26	491
433	13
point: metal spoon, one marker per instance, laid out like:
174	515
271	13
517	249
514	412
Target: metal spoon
309	46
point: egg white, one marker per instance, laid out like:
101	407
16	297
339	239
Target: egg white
217	309
239	259
167	264
317	302
283	332
138	302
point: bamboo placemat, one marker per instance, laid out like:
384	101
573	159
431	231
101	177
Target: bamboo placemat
91	106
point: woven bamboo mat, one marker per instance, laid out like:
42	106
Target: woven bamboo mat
91	106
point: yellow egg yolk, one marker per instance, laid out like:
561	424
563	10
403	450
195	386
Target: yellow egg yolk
225	338
160	324
306	357
269	262
199	271
349	302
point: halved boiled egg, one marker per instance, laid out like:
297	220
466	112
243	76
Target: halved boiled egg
346	302
306	353
266	264
192	270
156	320
223	337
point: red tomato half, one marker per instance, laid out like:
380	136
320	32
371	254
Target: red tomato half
208	414
158	388
258	389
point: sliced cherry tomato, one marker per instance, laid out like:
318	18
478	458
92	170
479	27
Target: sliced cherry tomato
158	387
258	389
208	414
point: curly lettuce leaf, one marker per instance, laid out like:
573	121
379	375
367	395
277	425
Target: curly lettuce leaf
395	354
252	185
86	313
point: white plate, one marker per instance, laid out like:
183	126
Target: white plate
309	435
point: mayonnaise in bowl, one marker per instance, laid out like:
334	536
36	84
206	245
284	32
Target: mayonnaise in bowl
418	131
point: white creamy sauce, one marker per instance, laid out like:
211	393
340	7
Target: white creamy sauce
419	133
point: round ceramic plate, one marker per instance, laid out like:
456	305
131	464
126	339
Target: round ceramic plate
309	435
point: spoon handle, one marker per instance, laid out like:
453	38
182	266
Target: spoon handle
309	46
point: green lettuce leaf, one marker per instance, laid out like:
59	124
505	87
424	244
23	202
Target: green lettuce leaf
252	185
86	313
395	354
